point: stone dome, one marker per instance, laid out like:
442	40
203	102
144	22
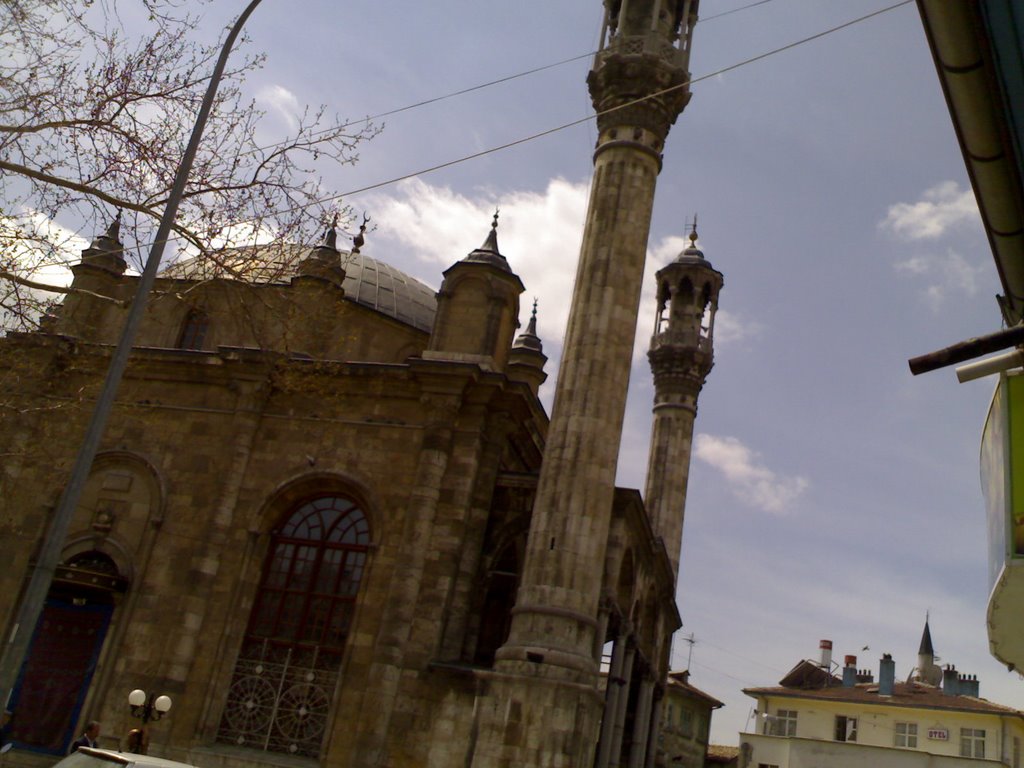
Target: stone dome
372	283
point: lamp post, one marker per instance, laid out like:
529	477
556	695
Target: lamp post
148	709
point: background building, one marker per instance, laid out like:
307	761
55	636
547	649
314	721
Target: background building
814	718
685	724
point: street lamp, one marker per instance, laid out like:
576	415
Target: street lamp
148	709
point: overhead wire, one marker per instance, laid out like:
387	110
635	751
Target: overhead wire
586	119
478	87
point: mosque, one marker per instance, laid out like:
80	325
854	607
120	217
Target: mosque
330	517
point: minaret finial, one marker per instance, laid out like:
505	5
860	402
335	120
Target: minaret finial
693	232
359	240
494	224
331	234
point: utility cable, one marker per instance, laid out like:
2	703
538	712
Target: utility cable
580	121
472	88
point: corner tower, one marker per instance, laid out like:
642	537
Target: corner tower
681	356
639	86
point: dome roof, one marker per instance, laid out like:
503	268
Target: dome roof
369	282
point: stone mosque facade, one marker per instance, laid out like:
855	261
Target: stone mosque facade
330	517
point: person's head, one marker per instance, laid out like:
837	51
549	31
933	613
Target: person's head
92	730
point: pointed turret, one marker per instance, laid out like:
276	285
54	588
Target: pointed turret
927	670
324	260
106	251
477	308
527	360
681	356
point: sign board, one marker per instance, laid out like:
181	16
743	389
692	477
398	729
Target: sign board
938	734
1002	473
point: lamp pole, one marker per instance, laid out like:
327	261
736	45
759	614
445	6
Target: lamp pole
148	709
16	647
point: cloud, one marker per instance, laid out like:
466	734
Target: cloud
946	274
751	481
940	209
282	102
538	232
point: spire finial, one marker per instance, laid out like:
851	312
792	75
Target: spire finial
359	240
531	328
693	232
331	234
114	230
494	224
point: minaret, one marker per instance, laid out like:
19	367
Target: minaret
639	85
681	356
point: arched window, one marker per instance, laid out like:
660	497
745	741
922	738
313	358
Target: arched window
288	666
193	330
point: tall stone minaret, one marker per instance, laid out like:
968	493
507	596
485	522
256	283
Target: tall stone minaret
681	357
639	85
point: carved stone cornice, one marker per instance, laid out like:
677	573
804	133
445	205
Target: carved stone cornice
622	79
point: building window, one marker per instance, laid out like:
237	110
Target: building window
782	723
686	722
972	742
906	735
767	765
846	728
193	330
289	663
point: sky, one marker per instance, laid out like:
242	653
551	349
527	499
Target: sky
832	494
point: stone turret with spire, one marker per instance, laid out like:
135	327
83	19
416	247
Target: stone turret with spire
99	274
477	308
527	360
324	260
681	356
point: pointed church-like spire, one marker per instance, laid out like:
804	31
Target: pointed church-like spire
488	253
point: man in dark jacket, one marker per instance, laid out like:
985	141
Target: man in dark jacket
87	739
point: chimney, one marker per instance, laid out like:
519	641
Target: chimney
968	685
886	675
825	646
865	676
849	671
950	681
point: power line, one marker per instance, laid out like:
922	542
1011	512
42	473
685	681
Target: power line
480	86
580	121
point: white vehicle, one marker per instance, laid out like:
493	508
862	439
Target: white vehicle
88	757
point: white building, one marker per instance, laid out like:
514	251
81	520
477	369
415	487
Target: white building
936	719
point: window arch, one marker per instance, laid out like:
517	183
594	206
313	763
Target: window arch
193	330
288	666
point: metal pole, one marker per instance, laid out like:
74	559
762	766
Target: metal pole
16	647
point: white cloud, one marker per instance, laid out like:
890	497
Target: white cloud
750	480
538	232
946	274
940	209
282	102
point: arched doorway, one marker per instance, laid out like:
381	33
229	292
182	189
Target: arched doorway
287	669
65	647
